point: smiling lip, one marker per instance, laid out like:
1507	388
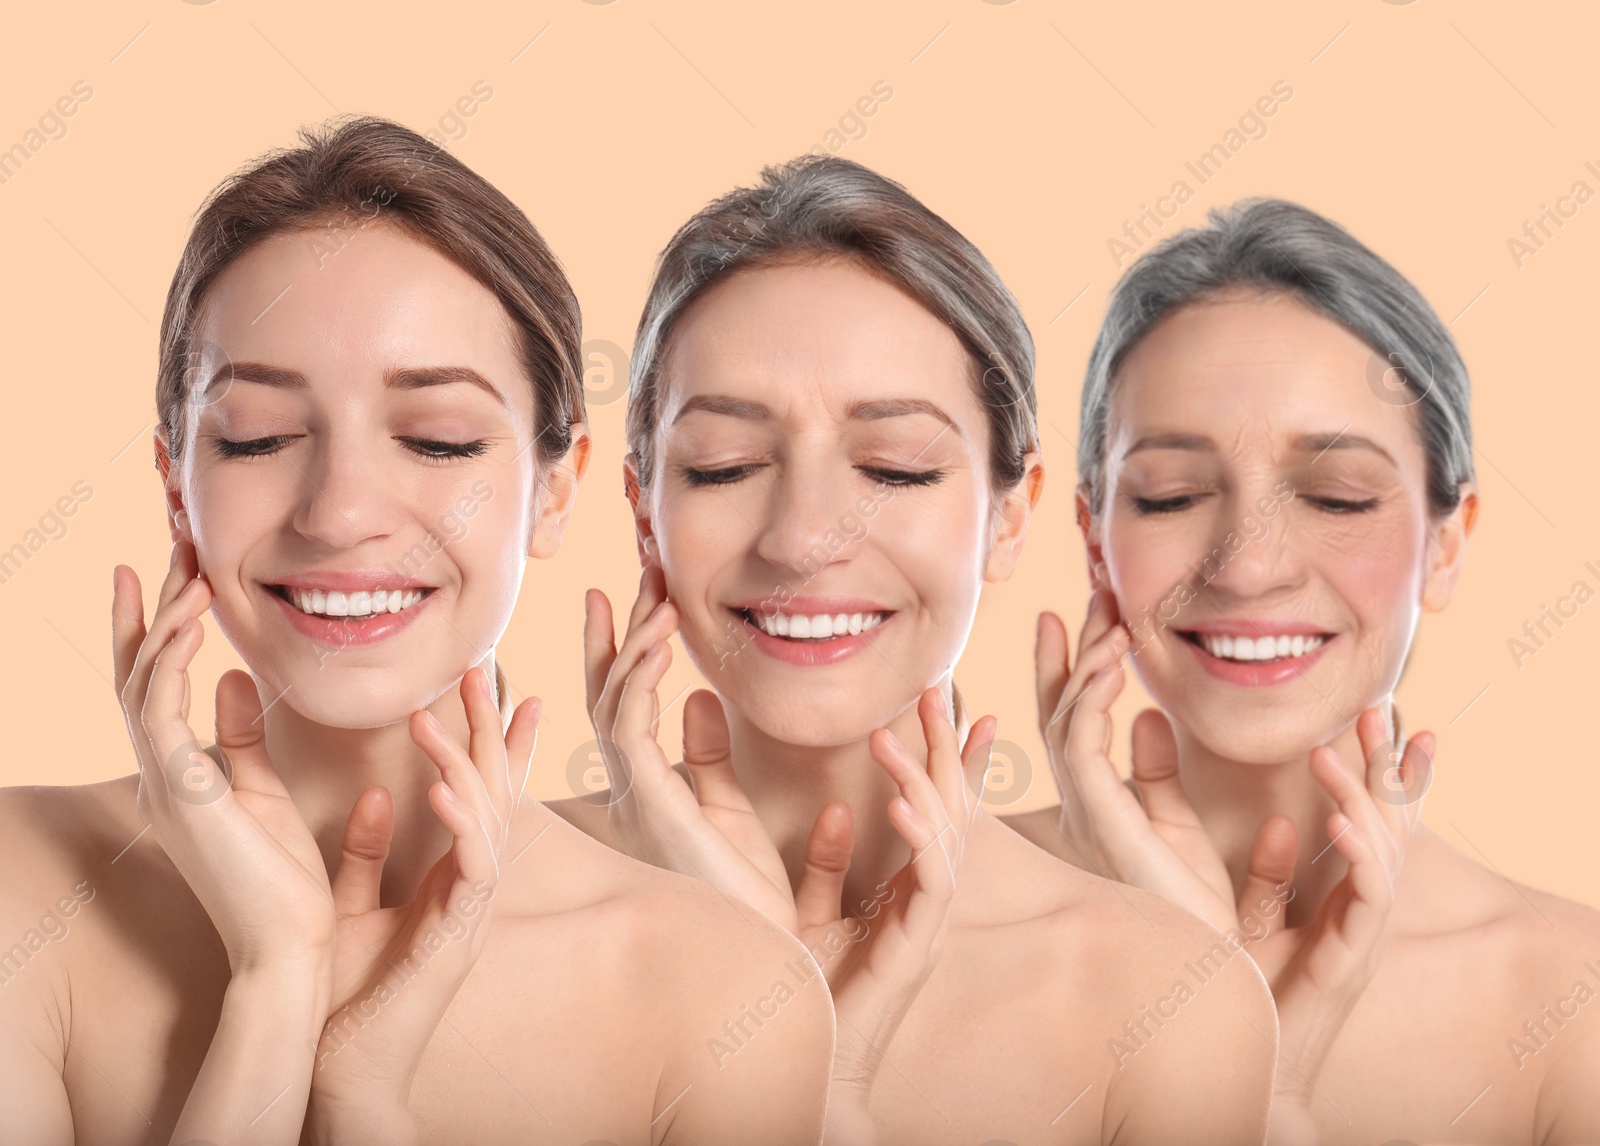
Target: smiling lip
1256	674
811	652
345	632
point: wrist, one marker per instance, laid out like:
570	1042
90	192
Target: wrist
296	995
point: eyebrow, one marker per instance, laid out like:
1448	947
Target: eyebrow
1317	444
865	411
400	378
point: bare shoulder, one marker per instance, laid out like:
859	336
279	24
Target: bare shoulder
1176	1017
740	1016
54	838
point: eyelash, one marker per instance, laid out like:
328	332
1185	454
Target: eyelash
1177	504
731	474
266	447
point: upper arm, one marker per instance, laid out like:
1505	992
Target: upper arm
33	1094
756	1049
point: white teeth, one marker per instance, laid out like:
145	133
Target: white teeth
362	603
1230	648
818	627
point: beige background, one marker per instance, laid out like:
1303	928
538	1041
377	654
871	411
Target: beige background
1432	131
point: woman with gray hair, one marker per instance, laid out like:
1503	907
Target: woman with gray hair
833	447
1276	481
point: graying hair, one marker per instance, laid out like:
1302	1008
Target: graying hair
1278	246
821	207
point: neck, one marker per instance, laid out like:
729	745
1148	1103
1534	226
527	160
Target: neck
789	784
325	769
1233	799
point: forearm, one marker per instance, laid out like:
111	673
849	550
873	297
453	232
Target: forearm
253	1085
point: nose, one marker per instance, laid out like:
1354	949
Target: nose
344	498
1252	556
808	521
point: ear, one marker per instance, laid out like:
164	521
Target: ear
560	494
1447	550
644	528
1089	524
177	515
1012	516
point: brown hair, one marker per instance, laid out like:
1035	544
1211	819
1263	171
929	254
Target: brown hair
351	172
821	207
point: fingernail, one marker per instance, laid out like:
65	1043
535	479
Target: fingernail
434	722
450	795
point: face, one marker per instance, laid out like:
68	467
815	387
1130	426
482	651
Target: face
821	503
359	482
1265	527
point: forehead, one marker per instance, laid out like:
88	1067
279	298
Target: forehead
1250	365
354	295
816	336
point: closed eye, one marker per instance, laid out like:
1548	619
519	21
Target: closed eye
1339	505
727	475
443	451
254	447
1164	504
426	448
903	477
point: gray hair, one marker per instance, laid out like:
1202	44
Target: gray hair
1278	246
821	207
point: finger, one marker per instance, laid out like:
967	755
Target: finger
634	729
1350	794
661	623
708	752
1050	664
935	872
1271	870
975	760
473	849
599	646
917	791
828	849
1102	618
242	734
190	602
944	756
1093	660
652	592
1155	770
165	719
183	568
1366	911
1088	742
486	741
127	623
368	831
455	766
522	737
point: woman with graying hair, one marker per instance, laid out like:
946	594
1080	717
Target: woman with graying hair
833	447
1276	481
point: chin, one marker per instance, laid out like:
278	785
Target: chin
360	701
